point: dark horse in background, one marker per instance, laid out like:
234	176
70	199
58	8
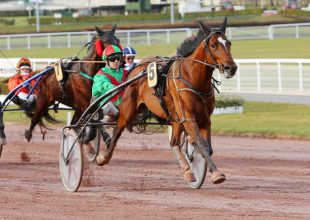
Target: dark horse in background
75	89
188	98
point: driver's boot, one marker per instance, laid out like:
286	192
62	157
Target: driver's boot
25	105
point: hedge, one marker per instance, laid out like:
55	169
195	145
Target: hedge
142	17
295	13
223	101
198	15
91	19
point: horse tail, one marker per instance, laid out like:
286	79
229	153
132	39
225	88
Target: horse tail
47	117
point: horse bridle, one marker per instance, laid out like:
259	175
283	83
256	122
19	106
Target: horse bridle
206	40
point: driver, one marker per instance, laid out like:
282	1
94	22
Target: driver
24	72
108	78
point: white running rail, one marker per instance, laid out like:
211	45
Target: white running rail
274	76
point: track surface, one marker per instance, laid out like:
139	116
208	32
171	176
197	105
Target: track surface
266	179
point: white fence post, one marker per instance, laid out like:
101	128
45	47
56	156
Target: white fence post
48	41
229	35
301	87
270	32
188	32
8	45
258	76
69	40
28	42
297	32
148	37
128	38
279	77
168	36
88	37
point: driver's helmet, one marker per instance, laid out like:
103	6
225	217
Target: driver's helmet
23	62
111	50
129	51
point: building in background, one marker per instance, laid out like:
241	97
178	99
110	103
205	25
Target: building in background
98	6
108	7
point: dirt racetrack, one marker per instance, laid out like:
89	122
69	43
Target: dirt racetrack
266	179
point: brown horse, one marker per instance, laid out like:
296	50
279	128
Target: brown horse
188	98
75	89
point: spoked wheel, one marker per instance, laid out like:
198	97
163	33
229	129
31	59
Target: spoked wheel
71	161
91	149
197	163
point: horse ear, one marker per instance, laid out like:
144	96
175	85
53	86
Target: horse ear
113	28
99	31
205	30
223	26
201	26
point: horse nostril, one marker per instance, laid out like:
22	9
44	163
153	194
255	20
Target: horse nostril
227	68
232	69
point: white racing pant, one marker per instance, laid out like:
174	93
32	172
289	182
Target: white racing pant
23	96
110	112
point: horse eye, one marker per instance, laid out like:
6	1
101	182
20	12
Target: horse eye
213	46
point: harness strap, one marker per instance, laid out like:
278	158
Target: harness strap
203	96
87	76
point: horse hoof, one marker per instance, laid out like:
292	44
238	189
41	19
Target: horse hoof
28	136
189	176
3	141
218	177
100	160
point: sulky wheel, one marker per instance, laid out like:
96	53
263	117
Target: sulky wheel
71	163
91	148
197	163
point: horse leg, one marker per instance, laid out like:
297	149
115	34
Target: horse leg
175	144
103	159
204	148
217	176
39	112
128	110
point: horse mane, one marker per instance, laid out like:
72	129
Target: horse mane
90	48
190	44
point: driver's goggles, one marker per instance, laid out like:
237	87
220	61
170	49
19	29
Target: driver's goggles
24	68
113	58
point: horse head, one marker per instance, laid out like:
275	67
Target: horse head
217	49
105	38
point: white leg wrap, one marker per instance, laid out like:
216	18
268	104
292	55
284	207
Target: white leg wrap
180	157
